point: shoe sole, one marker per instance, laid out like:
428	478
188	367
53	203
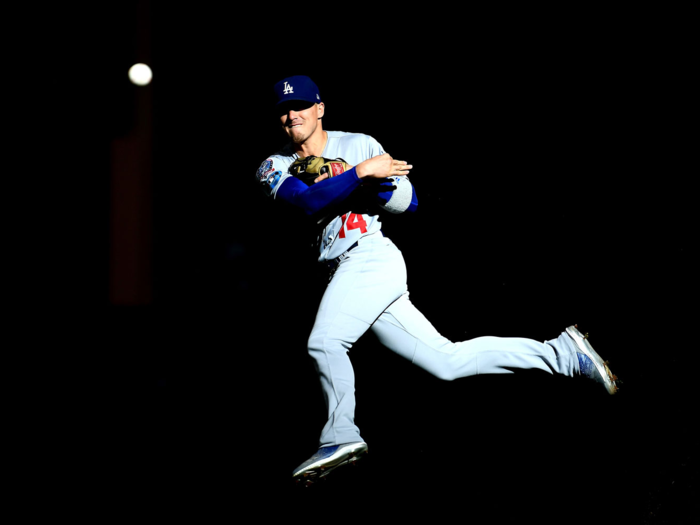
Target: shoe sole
345	455
585	347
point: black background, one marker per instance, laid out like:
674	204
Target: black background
549	160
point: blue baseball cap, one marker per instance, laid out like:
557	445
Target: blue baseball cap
298	87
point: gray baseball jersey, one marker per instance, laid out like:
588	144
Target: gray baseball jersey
347	228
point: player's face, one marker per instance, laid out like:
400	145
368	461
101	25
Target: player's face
300	119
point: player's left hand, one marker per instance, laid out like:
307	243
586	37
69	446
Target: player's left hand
396	168
325	175
312	169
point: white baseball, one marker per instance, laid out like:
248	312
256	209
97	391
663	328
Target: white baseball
140	74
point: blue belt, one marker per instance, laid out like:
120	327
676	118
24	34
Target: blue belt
333	263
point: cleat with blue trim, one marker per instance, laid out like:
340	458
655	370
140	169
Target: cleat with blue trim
590	363
326	460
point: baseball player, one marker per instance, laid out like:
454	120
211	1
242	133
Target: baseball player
367	288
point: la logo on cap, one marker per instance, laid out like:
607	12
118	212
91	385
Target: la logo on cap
298	87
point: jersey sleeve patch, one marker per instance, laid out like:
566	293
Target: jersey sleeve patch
268	176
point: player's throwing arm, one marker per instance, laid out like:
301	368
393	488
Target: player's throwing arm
382	166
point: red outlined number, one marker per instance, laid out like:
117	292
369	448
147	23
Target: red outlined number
352	221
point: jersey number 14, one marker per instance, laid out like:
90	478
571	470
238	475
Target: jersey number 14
352	221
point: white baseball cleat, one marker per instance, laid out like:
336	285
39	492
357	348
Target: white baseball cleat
590	363
327	459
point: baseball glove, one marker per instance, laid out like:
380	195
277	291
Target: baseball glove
309	168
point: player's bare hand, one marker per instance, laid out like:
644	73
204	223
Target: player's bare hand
400	168
383	166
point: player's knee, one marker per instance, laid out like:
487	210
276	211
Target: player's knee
321	344
447	375
446	367
441	372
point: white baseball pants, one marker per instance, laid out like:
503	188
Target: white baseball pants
369	291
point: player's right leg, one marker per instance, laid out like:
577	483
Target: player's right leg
326	460
372	277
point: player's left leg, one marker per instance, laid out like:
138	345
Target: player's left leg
405	330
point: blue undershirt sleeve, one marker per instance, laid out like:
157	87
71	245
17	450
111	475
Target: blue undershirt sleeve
414	201
320	195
